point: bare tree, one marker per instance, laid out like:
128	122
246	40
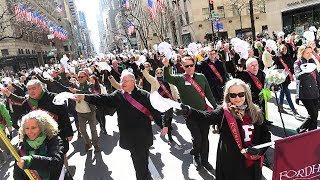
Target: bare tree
237	7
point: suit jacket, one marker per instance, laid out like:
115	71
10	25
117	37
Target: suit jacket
134	126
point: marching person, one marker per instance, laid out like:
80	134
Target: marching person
135	114
194	91
215	73
242	126
256	80
40	99
285	61
5	123
166	90
86	113
41	150
309	84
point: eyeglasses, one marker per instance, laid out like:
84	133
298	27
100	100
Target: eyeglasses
80	77
159	72
234	95
190	65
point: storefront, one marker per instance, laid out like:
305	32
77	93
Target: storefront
300	19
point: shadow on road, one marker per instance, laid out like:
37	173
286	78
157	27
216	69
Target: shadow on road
94	163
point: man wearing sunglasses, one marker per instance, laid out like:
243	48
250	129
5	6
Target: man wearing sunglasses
198	96
215	73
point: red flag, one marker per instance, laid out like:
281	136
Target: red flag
297	157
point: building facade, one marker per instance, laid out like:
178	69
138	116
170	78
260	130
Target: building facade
292	15
24	37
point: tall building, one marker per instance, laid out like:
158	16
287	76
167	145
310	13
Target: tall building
101	25
292	15
113	8
82	19
24	41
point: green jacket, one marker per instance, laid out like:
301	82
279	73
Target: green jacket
188	94
4	114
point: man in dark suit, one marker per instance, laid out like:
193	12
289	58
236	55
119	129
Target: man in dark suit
215	73
134	122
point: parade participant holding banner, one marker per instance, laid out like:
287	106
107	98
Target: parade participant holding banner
285	61
242	126
135	114
195	91
309	84
41	149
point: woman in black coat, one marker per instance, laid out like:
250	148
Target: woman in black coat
242	126
309	84
285	61
41	148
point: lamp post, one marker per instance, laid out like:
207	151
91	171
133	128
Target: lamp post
253	30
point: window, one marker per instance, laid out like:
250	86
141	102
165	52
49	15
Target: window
4	52
187	18
181	20
262	6
235	10
221	11
205	11
20	51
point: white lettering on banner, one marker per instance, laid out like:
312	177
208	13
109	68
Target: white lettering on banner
308	172
247	132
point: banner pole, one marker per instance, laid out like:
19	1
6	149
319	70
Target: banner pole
284	129
14	152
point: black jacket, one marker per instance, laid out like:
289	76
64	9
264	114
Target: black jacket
288	60
134	126
230	162
52	161
45	103
308	86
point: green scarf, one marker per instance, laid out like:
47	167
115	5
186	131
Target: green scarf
35	144
34	102
260	49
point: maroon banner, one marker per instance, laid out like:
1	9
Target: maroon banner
297	157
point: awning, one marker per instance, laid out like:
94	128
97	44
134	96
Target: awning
299	4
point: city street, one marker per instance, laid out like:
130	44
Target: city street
166	161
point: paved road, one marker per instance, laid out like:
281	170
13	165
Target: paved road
166	161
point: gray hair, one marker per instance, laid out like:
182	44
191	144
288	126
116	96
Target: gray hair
127	73
253	110
47	124
34	82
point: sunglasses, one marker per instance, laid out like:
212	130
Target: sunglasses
159	72
190	65
81	77
234	95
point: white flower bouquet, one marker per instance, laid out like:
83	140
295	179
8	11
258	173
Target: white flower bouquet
276	76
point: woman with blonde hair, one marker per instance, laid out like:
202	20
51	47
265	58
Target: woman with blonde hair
308	87
41	148
241	125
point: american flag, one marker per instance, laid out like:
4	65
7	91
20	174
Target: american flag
130	27
126	3
59	8
161	5
153	9
29	15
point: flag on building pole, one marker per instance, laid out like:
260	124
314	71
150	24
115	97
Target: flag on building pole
59	8
161	5
126	3
130	27
153	9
